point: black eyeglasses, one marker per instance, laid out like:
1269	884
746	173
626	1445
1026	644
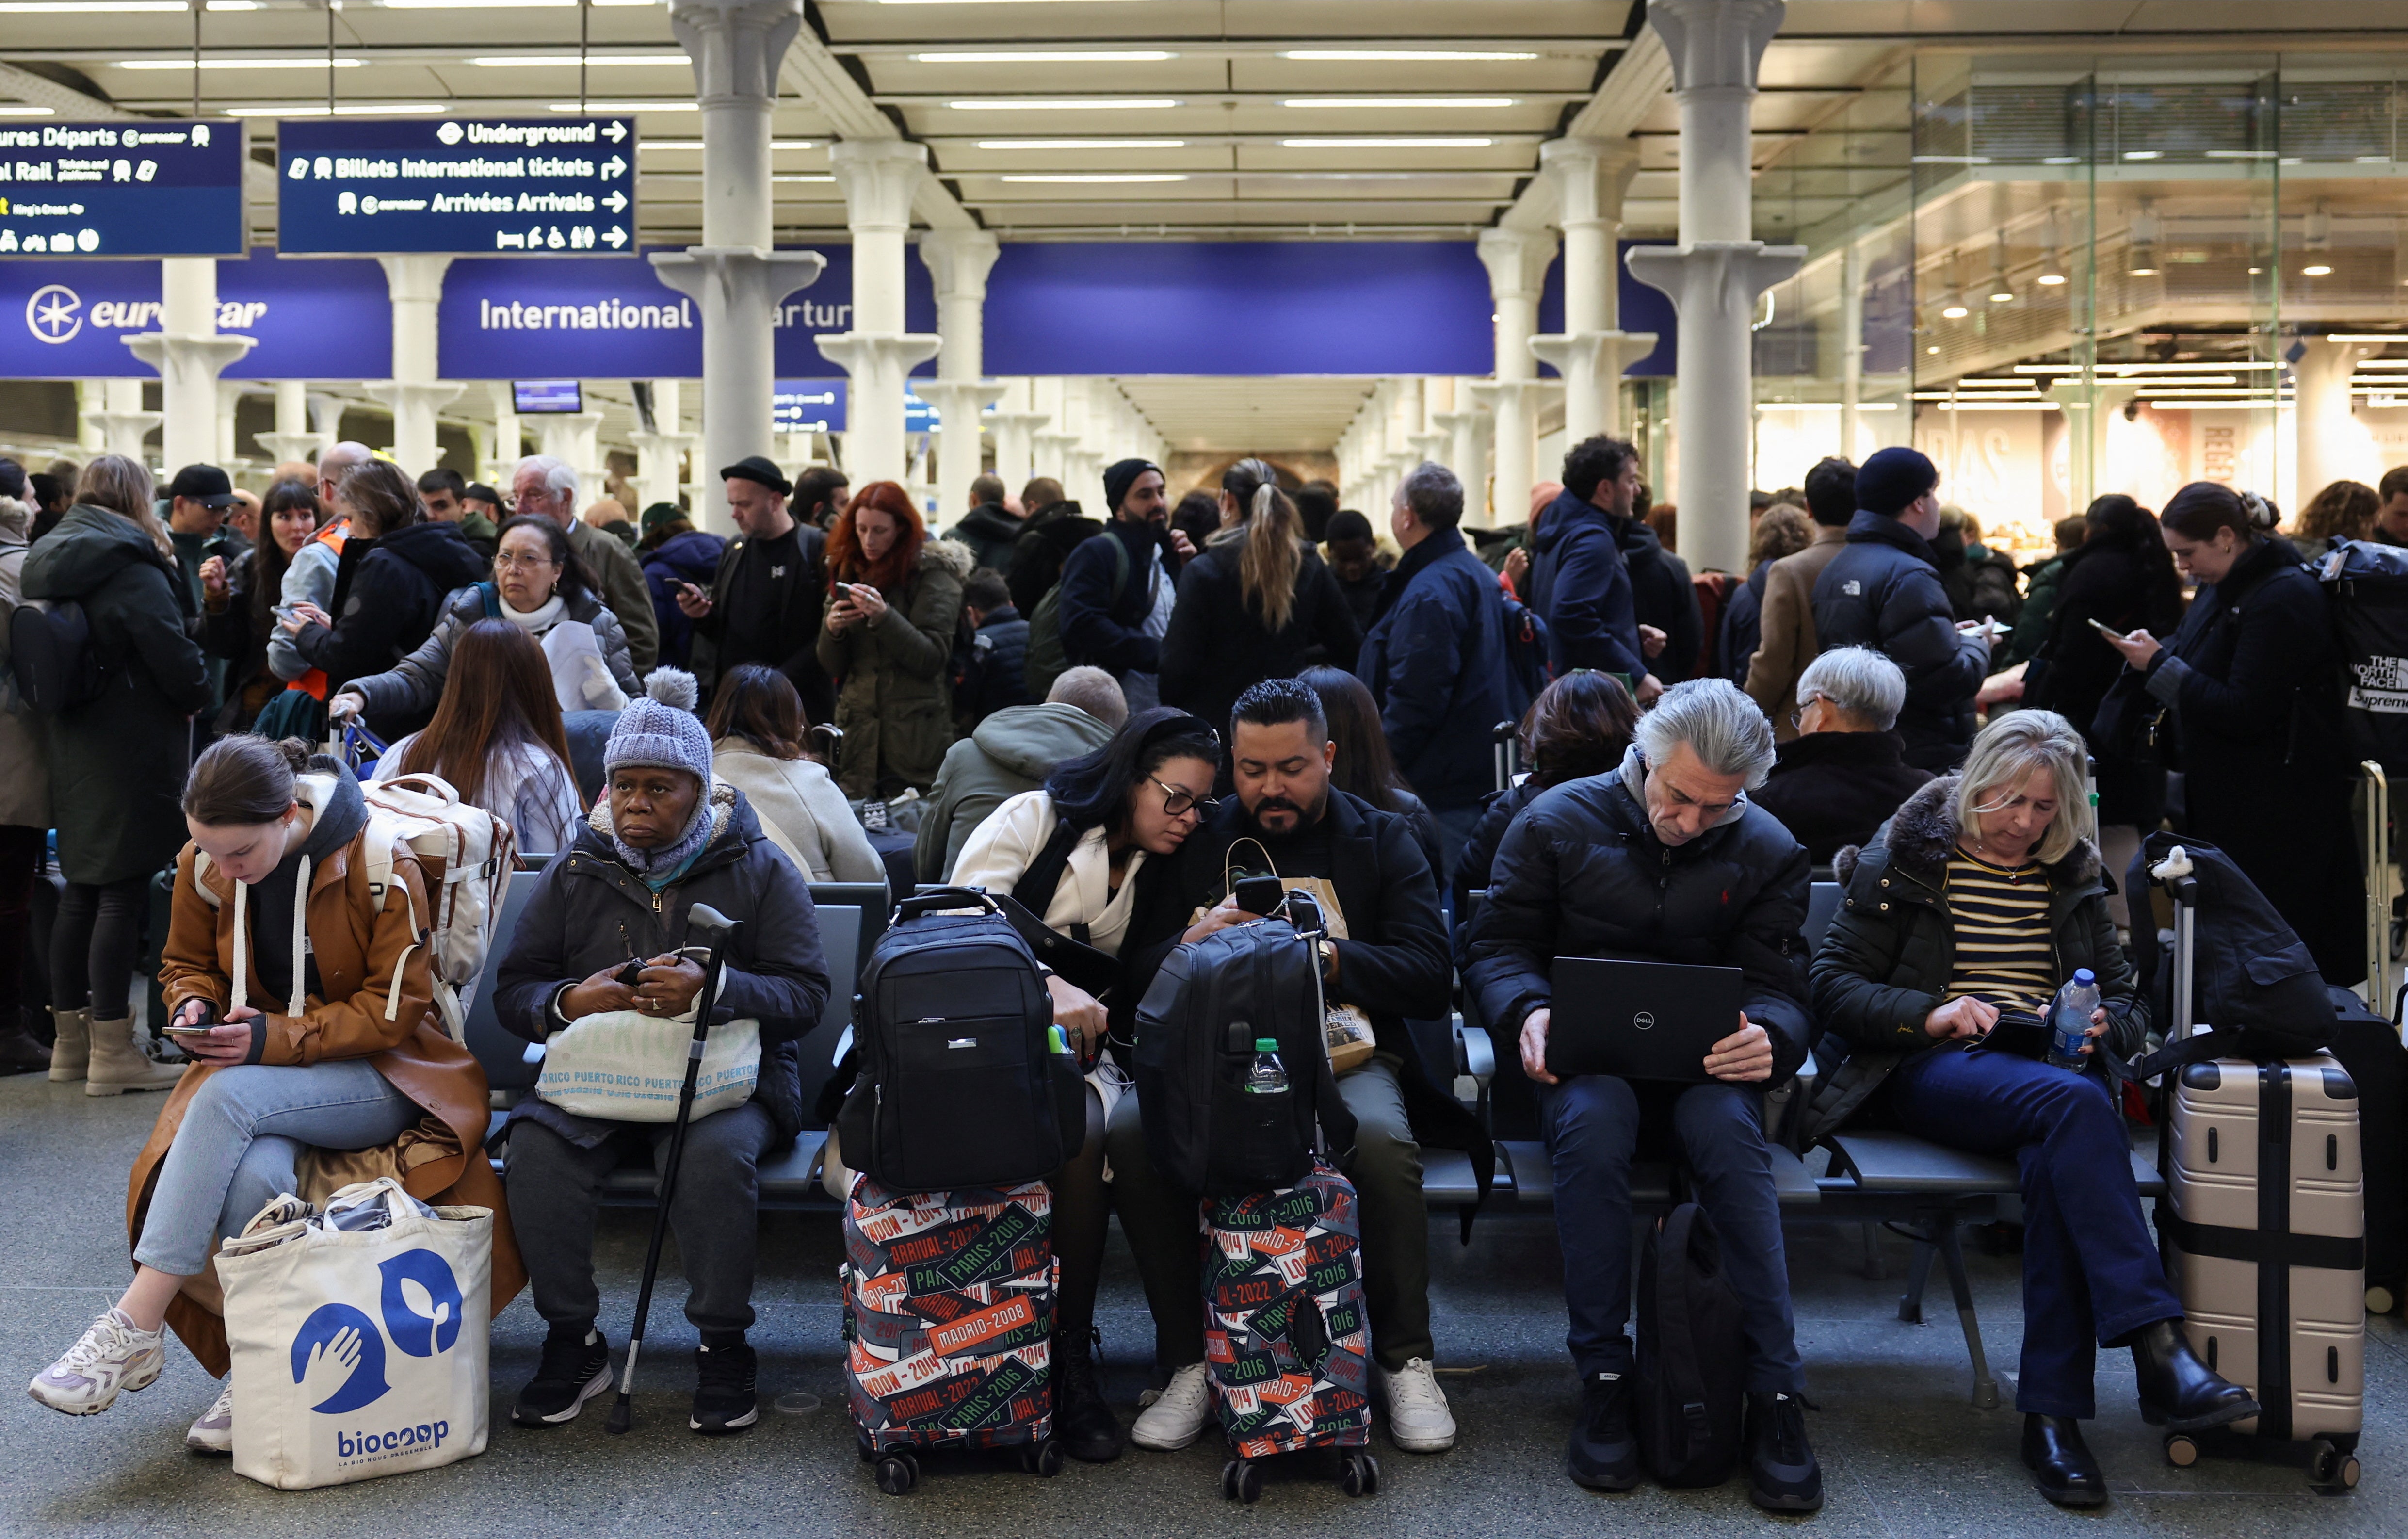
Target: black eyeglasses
1178	802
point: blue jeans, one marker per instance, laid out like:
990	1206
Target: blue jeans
242	1134
2090	1269
1592	1122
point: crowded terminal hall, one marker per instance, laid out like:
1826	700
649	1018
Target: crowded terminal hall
833	766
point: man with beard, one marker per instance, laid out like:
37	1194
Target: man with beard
1390	961
1117	591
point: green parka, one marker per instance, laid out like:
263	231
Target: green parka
894	696
117	764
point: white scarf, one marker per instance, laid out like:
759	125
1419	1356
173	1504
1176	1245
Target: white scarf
535	622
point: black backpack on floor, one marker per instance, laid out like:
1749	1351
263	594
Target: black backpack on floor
1692	1356
1196	1034
958	1085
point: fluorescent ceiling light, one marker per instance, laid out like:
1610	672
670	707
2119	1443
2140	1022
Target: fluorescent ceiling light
2048	369
2316	270
2143	155
1104	177
361	109
1437	143
626	106
2240	155
1082	144
477	5
105	7
13	110
2177	369
696	144
1045	56
239	64
2187	380
529	61
1402	54
1062	104
2213	406
804	177
2372	337
1977	403
1400	101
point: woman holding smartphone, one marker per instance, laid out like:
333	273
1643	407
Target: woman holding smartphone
894	600
305	999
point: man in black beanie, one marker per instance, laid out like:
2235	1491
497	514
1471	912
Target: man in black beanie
1883	591
1117	591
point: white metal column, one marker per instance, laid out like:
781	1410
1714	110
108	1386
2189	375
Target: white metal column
1590	177
189	354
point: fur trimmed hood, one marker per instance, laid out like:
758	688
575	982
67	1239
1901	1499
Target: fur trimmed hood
1923	831
950	555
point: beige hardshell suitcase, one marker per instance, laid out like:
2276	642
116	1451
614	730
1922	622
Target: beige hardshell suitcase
2263	1228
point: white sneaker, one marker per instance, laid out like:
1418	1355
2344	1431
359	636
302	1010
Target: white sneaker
113	1357
1178	1415
214	1433
1418	1420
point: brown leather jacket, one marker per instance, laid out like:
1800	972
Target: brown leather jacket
357	945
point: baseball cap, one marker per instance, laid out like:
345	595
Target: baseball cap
203	483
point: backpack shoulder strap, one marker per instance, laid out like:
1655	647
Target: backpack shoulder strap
1676	1354
493	600
1120	567
382	835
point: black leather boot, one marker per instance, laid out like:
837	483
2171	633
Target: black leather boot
2061	1463
1085	1425
2177	1390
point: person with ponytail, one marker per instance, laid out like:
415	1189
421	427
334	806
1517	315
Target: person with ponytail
304	996
2248	694
116	763
1256	604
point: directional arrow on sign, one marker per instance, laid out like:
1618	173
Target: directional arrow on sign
616	203
617	131
617	238
612	167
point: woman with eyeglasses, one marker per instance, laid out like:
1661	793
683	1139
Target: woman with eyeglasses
1073	853
540	587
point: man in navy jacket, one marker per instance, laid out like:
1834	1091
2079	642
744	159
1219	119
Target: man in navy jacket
1580	581
1435	658
1883	591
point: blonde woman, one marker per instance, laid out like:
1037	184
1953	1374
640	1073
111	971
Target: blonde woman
1980	897
116	763
1256	604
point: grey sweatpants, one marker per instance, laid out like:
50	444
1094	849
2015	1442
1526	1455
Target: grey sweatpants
555	1188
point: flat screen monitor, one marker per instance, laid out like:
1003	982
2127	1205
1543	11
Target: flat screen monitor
547	396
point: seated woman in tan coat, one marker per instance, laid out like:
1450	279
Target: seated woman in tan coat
348	1056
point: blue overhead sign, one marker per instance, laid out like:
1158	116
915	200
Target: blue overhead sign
466	186
141	187
312	320
808	406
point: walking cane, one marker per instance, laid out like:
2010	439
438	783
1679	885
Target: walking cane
719	930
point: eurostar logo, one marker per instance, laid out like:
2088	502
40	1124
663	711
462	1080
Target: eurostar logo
54	314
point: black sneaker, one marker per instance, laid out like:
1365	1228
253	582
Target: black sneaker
1085	1425
1783	1475
1603	1455
576	1367
723	1398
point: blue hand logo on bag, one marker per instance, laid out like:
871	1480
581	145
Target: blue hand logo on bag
421	1303
338	1359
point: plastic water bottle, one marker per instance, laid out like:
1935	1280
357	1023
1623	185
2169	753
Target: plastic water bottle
2069	1021
1266	1077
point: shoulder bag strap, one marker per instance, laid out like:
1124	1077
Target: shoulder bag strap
1037	885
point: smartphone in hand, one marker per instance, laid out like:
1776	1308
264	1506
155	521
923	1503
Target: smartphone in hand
2108	631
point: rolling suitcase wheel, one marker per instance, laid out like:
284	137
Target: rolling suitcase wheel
897	1473
2181	1451
1241	1480
2330	1469
1042	1459
1358	1474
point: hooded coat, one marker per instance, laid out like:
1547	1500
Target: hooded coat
391	591
1884	963
117	764
990	532
590	910
1580	584
1010	752
689	557
377	1003
25	780
895	697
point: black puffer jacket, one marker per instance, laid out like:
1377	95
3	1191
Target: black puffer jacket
589	911
1884	963
389	591
1883	591
1581	874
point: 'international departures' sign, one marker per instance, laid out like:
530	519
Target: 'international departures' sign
466	186
140	187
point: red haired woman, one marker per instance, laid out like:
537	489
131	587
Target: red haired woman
894	600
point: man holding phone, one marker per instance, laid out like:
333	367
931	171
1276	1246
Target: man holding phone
762	605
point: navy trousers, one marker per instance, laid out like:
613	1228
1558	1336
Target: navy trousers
1593	1123
2091	1271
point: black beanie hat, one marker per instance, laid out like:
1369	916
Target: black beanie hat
1120	476
1893	478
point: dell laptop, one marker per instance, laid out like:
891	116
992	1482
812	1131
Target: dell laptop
1638	1020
